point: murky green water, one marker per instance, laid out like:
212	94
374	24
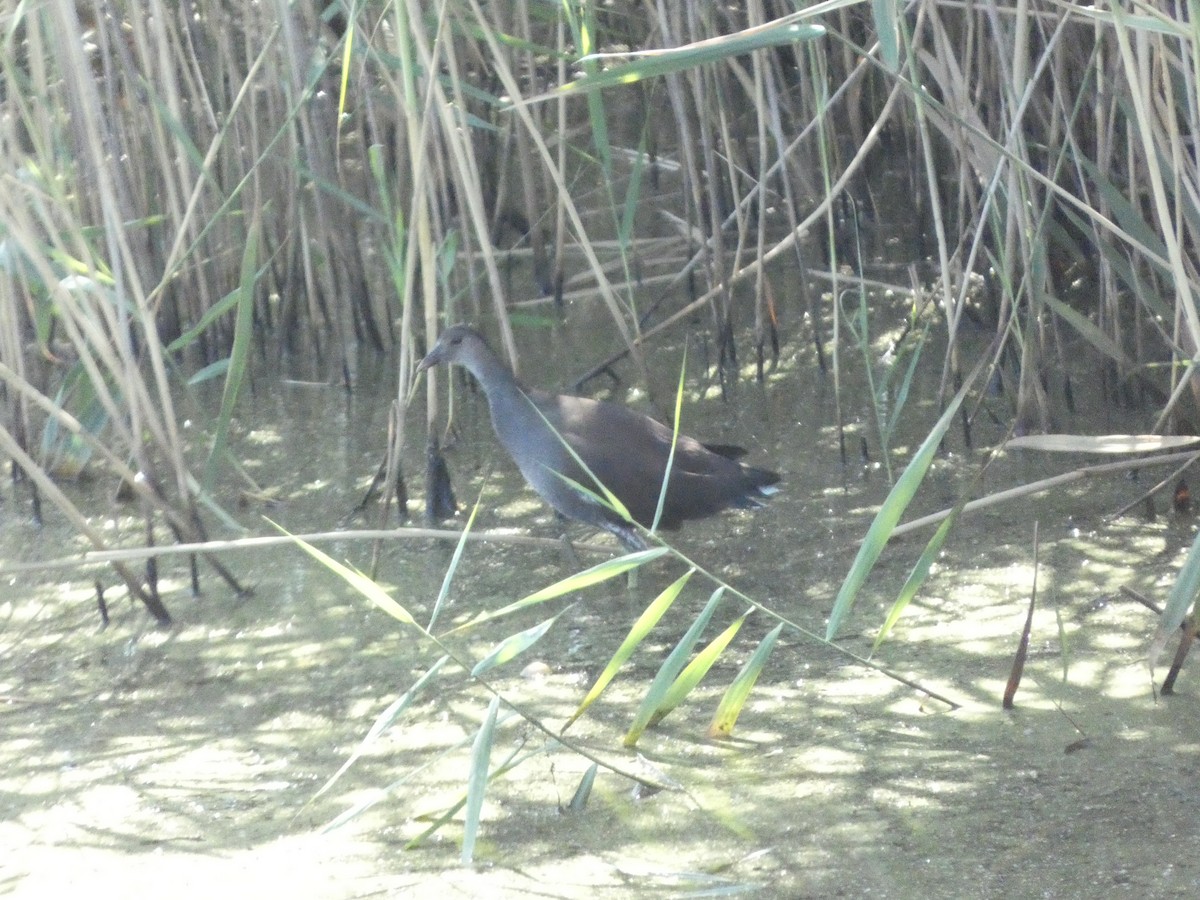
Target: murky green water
133	758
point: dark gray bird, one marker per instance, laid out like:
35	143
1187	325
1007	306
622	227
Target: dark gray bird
625	450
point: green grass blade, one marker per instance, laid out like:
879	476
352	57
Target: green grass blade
901	400
893	508
1163	24
605	497
1183	594
437	823
595	102
1087	329
242	333
666	481
212	314
731	704
355	579
383	722
679	59
514	645
580	581
451	569
642	627
668	672
580	798
510	763
368	212
209	372
1127	215
377	163
1119	261
697	669
481	754
633	192
884	13
919	574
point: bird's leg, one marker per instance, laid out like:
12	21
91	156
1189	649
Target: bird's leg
572	558
627	535
632	542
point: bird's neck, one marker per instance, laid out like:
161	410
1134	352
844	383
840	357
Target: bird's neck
496	379
513	414
523	422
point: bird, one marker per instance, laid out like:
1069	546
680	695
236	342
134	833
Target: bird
622	448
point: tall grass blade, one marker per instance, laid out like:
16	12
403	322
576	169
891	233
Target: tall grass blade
1119	260
666	480
1108	444
1087	329
481	754
1183	594
901	398
580	798
230	302
1159	24
695	671
580	581
383	722
633	192
735	697
514	645
238	354
355	579
656	694
604	497
918	575
884	13
208	373
448	814
643	626
679	59
434	826
893	508
1127	215
452	569
595	102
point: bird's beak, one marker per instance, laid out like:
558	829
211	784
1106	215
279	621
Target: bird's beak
432	358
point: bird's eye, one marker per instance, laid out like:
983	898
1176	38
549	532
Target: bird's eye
456	341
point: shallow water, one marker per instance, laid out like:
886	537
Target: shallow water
133	758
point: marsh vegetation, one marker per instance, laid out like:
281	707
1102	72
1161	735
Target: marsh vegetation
933	262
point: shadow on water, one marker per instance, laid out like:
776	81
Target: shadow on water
137	757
